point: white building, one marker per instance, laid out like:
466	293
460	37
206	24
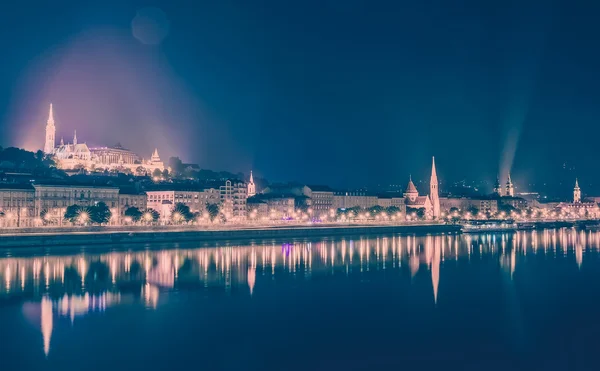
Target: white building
251	186
78	155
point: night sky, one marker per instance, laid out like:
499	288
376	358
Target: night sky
339	92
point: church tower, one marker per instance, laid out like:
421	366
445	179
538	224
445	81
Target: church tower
510	189
434	195
498	187
411	192
50	133
576	193
251	186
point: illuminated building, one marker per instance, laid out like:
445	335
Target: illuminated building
234	195
392	199
321	197
434	191
163	198
78	155
271	206
579	208
414	201
251	186
52	200
576	193
510	189
17	205
346	200
498	187
482	204
50	141
131	197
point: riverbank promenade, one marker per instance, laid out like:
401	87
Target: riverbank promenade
98	235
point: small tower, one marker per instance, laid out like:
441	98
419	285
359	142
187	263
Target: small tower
50	133
75	138
251	186
155	157
510	189
411	192
576	193
498	187
434	195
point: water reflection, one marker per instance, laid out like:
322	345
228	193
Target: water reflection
86	283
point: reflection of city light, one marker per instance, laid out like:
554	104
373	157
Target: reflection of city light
150	294
46	309
227	267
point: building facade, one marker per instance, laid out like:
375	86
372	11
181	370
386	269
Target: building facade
482	204
52	200
17	205
234	195
321	198
132	198
196	199
347	200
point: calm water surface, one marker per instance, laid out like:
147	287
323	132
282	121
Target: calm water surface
528	300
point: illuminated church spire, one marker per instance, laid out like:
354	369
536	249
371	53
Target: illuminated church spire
498	187
251	186
434	195
50	133
510	189
576	193
75	138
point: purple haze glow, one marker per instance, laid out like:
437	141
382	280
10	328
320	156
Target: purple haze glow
109	88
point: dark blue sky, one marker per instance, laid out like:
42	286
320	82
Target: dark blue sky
344	92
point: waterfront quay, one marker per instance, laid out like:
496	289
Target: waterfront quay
101	236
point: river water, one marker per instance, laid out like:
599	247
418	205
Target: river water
525	300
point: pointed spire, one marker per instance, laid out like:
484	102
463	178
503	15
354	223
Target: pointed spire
433	172
576	183
251	177
410	188
62	141
51	116
75	138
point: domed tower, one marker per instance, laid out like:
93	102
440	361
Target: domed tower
411	192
